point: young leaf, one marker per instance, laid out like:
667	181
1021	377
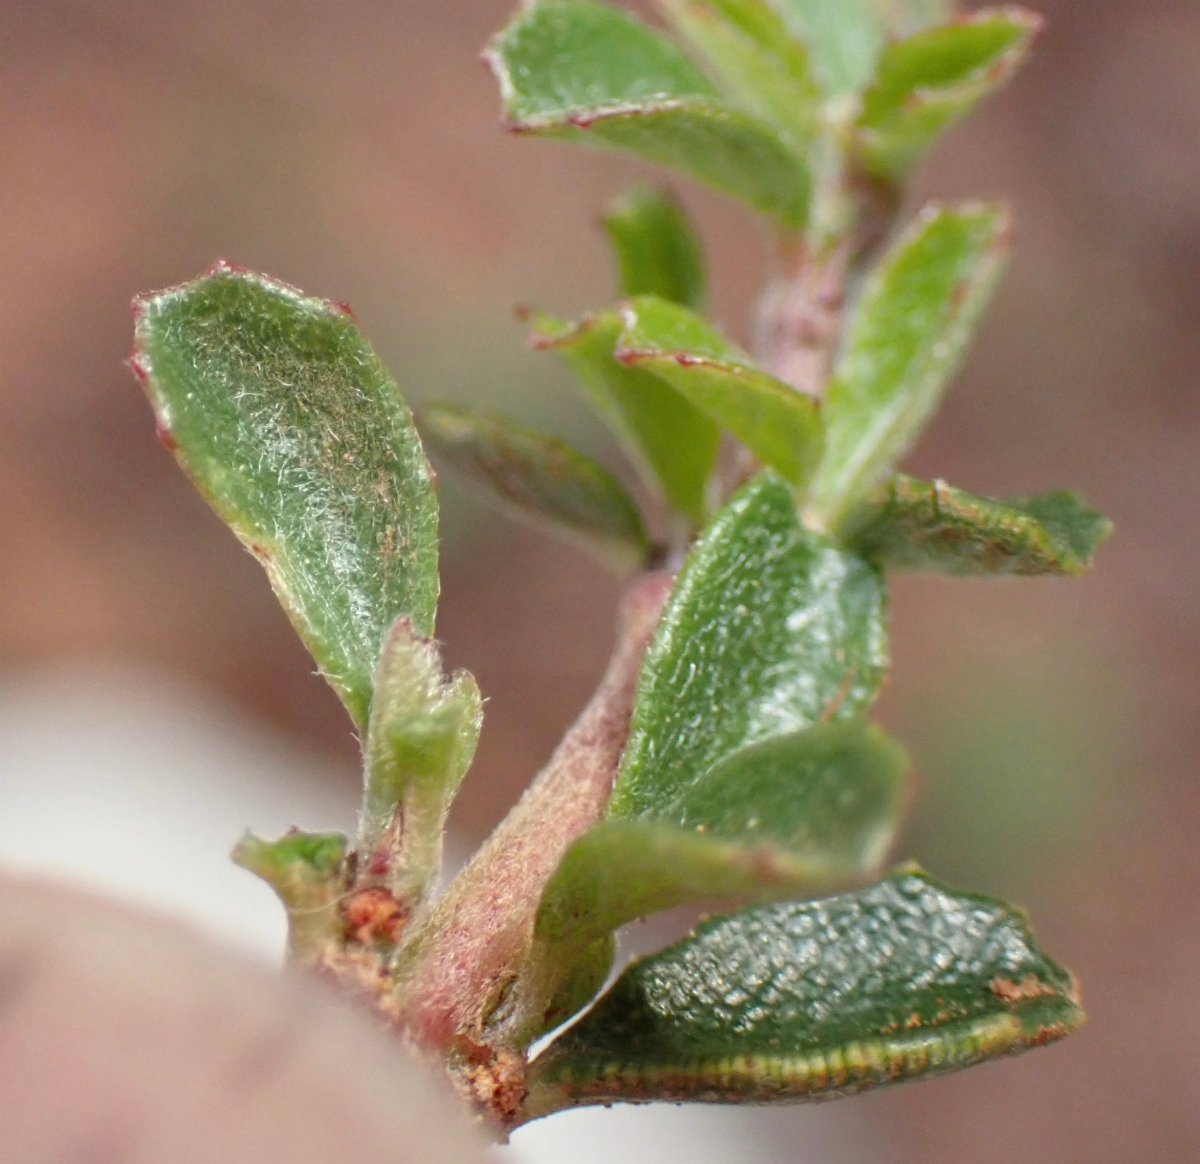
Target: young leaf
788	1002
306	872
541	478
781	426
845	38
656	247
926	83
797	814
928	525
292	429
674	442
755	59
420	742
905	339
770	629
582	71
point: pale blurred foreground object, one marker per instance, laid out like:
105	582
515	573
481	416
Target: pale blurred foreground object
127	1037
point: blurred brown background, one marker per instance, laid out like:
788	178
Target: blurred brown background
355	150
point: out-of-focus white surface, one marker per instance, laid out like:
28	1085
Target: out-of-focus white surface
138	785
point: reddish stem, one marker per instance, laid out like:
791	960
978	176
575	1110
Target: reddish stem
480	931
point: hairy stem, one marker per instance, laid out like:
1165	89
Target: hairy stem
800	317
479	933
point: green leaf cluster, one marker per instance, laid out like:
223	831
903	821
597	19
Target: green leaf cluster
751	772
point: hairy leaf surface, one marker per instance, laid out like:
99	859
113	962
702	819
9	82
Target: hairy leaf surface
590	73
926	83
672	441
928	525
780	426
656	247
540	477
909	329
795	1001
421	739
770	628
292	429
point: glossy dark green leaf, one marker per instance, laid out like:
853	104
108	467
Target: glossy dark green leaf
780	426
927	82
928	525
788	1002
754	58
796	814
845	38
673	442
539	477
292	429
588	72
770	628
420	742
656	247
904	341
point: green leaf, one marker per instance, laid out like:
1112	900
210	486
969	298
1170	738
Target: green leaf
673	443
903	18
421	739
656	247
756	61
788	1002
905	339
802	813
781	426
539	477
586	72
770	628
292	429
581	983
926	83
845	38
928	525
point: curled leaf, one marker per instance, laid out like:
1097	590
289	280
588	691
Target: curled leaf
540	478
780	426
587	72
797	1001
672	441
292	429
929	525
904	340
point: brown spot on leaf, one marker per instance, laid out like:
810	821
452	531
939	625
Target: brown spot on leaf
1029	987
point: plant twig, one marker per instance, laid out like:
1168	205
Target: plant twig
480	931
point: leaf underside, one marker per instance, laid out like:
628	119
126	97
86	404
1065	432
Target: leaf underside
671	441
904	341
589	73
539	478
929	525
780	426
290	426
790	1002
